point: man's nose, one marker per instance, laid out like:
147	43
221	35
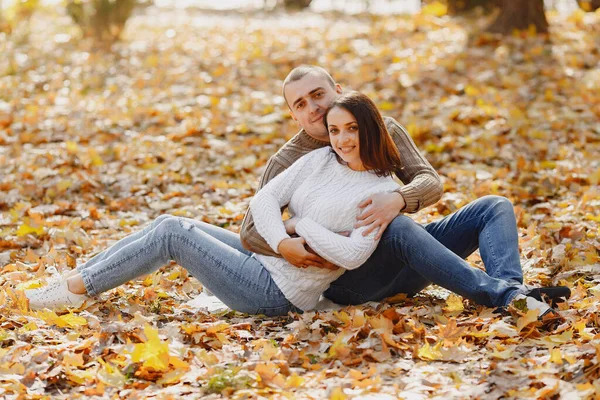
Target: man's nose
314	107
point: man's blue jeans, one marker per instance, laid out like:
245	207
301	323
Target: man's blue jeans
409	257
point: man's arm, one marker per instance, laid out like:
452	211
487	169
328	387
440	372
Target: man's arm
249	236
422	185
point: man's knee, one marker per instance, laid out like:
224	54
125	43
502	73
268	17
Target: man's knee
399	227
497	203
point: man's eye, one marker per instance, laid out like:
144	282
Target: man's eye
318	94
299	106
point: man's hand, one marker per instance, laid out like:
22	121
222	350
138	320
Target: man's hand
378	211
295	252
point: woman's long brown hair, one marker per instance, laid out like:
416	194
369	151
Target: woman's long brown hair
378	151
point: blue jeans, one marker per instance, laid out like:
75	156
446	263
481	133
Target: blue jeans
213	255
409	257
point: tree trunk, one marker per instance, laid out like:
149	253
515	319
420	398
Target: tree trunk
589	5
456	7
520	15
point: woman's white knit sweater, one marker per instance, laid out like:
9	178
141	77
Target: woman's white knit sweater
325	195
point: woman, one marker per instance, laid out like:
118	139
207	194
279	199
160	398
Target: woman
321	189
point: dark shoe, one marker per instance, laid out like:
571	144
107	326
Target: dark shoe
556	294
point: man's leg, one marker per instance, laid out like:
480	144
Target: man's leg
488	222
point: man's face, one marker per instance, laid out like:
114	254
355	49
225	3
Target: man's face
308	99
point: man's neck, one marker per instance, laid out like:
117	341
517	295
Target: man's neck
318	139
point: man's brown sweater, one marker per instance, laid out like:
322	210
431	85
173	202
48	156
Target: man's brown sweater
422	185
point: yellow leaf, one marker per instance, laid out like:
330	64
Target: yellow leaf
110	375
80	376
73	320
426	352
358	319
26	229
29	285
454	303
595	177
153	353
64	185
562	338
72	360
294	381
171	377
581	329
436	9
555	356
96	159
72	147
343	316
339	349
386	106
472	91
337	394
178	363
503	355
531	316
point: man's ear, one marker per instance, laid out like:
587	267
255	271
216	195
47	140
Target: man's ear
292	115
338	88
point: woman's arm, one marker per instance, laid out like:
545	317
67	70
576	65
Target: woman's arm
266	204
348	252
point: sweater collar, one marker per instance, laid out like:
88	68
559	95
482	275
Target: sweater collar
310	141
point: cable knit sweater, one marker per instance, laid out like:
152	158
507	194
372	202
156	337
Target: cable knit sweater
325	195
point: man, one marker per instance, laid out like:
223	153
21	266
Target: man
409	257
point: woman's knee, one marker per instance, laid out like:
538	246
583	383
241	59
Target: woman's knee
497	203
162	218
167	223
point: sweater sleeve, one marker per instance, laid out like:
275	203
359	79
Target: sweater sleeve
347	252
422	185
267	203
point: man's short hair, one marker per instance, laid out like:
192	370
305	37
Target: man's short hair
301	71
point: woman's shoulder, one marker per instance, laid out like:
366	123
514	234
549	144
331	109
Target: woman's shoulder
324	154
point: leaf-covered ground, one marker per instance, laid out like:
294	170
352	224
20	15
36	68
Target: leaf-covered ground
180	117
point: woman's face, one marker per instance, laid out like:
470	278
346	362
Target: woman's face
344	137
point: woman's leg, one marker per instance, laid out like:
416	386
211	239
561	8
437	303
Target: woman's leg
237	279
223	235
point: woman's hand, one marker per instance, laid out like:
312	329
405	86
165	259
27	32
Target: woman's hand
290	225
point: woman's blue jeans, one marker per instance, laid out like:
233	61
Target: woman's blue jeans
409	257
213	255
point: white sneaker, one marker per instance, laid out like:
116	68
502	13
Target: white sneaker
534	304
55	295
